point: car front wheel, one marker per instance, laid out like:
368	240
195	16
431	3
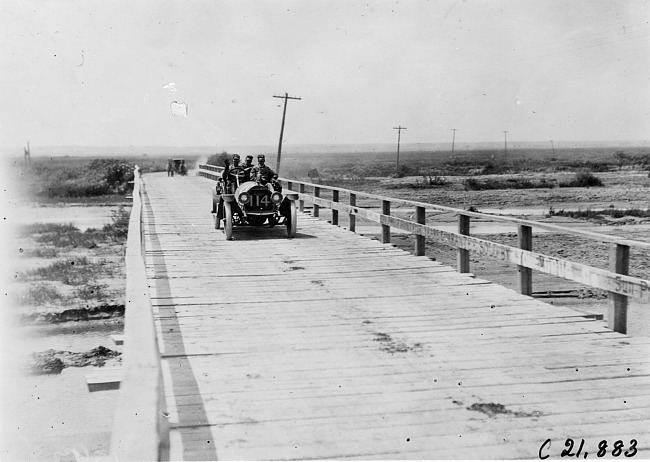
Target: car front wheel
228	220
292	220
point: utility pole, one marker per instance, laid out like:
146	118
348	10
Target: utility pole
284	113
399	135
28	154
453	141
505	138
553	148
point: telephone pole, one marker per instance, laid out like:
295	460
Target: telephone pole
453	141
505	138
284	113
28	154
399	135
553	148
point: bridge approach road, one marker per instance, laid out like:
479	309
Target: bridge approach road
333	345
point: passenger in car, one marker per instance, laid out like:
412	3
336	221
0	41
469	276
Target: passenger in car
248	165
262	173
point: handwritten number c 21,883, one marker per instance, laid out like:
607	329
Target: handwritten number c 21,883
568	451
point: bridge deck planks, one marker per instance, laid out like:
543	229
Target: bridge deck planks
332	345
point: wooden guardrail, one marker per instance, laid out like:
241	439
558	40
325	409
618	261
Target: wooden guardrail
616	280
140	430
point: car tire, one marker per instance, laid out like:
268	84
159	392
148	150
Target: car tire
215	214
228	220
292	220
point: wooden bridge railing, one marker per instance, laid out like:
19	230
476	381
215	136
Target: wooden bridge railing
616	280
140	430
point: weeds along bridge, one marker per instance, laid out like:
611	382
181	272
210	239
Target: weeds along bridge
333	345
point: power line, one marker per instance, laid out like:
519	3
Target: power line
284	113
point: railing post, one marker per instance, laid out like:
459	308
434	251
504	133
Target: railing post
525	274
335	213
385	229
353	217
301	202
316	207
619	263
421	218
463	254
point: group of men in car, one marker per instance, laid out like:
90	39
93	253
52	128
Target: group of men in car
261	172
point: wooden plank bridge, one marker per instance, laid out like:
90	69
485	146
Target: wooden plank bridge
333	345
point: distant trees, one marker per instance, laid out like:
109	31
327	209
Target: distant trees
218	159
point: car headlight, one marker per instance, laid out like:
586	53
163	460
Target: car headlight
244	198
276	197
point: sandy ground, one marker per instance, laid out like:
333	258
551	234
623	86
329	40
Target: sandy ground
624	189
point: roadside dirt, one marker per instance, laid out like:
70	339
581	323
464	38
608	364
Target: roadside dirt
54	361
623	189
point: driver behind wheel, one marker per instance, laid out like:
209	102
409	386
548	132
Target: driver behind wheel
231	185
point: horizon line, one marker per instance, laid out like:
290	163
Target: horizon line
137	146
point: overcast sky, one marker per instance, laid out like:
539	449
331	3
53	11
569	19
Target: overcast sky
106	73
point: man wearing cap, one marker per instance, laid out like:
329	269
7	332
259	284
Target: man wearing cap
247	166
227	170
262	173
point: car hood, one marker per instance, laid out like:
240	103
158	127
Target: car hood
247	186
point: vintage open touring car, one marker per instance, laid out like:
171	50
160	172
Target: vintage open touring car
236	202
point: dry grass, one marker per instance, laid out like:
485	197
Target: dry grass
71	271
40	294
86	271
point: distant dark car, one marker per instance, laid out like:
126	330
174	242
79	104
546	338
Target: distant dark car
249	203
176	166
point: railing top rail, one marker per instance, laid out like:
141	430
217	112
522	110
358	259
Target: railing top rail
139	427
484	216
